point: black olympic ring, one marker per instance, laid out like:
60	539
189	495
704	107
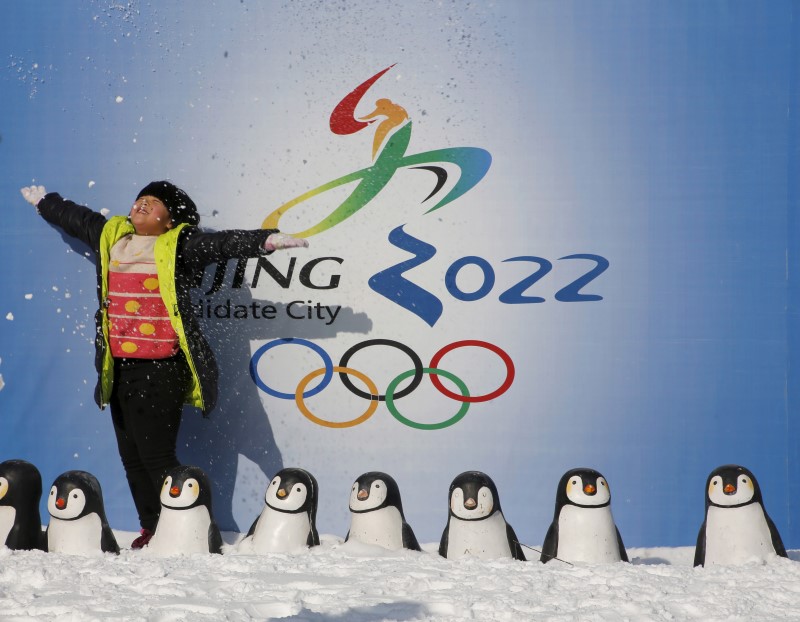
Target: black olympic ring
418	373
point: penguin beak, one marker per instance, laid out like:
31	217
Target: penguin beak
61	503
729	489
363	494
281	493
470	503
174	491
589	489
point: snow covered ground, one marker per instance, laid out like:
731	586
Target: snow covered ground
359	583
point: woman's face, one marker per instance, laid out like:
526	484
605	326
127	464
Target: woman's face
149	216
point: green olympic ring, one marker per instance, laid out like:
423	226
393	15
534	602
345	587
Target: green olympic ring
427	426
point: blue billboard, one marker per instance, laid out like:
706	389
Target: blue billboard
580	215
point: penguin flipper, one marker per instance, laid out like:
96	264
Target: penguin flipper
32	539
214	539
409	539
46	540
31	535
623	554
777	543
15	539
313	536
700	547
444	540
252	529
550	546
513	543
108	543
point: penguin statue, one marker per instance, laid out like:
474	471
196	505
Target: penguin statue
186	523
78	523
376	513
583	529
737	528
20	494
288	521
475	524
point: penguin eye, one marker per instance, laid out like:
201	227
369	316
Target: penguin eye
377	485
190	485
483	495
714	483
275	482
744	480
602	483
74	495
297	489
574	482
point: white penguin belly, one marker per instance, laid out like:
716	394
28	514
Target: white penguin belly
485	539
181	532
280	532
737	535
383	527
7	516
75	537
587	535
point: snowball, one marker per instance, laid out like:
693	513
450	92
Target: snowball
9	316
118	99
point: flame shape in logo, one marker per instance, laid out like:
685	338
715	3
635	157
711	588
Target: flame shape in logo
343	118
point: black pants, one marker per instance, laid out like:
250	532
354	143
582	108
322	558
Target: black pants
146	406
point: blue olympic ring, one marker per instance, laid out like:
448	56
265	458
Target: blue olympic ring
326	359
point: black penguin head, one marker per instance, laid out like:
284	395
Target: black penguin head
473	496
584	488
75	494
20	484
373	491
732	485
186	487
292	490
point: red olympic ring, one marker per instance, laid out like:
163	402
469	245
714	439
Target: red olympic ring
510	371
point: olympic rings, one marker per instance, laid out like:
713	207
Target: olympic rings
374	396
427	426
373	405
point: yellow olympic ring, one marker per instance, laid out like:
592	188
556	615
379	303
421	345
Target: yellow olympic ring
373	404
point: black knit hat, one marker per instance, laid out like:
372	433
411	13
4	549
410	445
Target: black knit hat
180	207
